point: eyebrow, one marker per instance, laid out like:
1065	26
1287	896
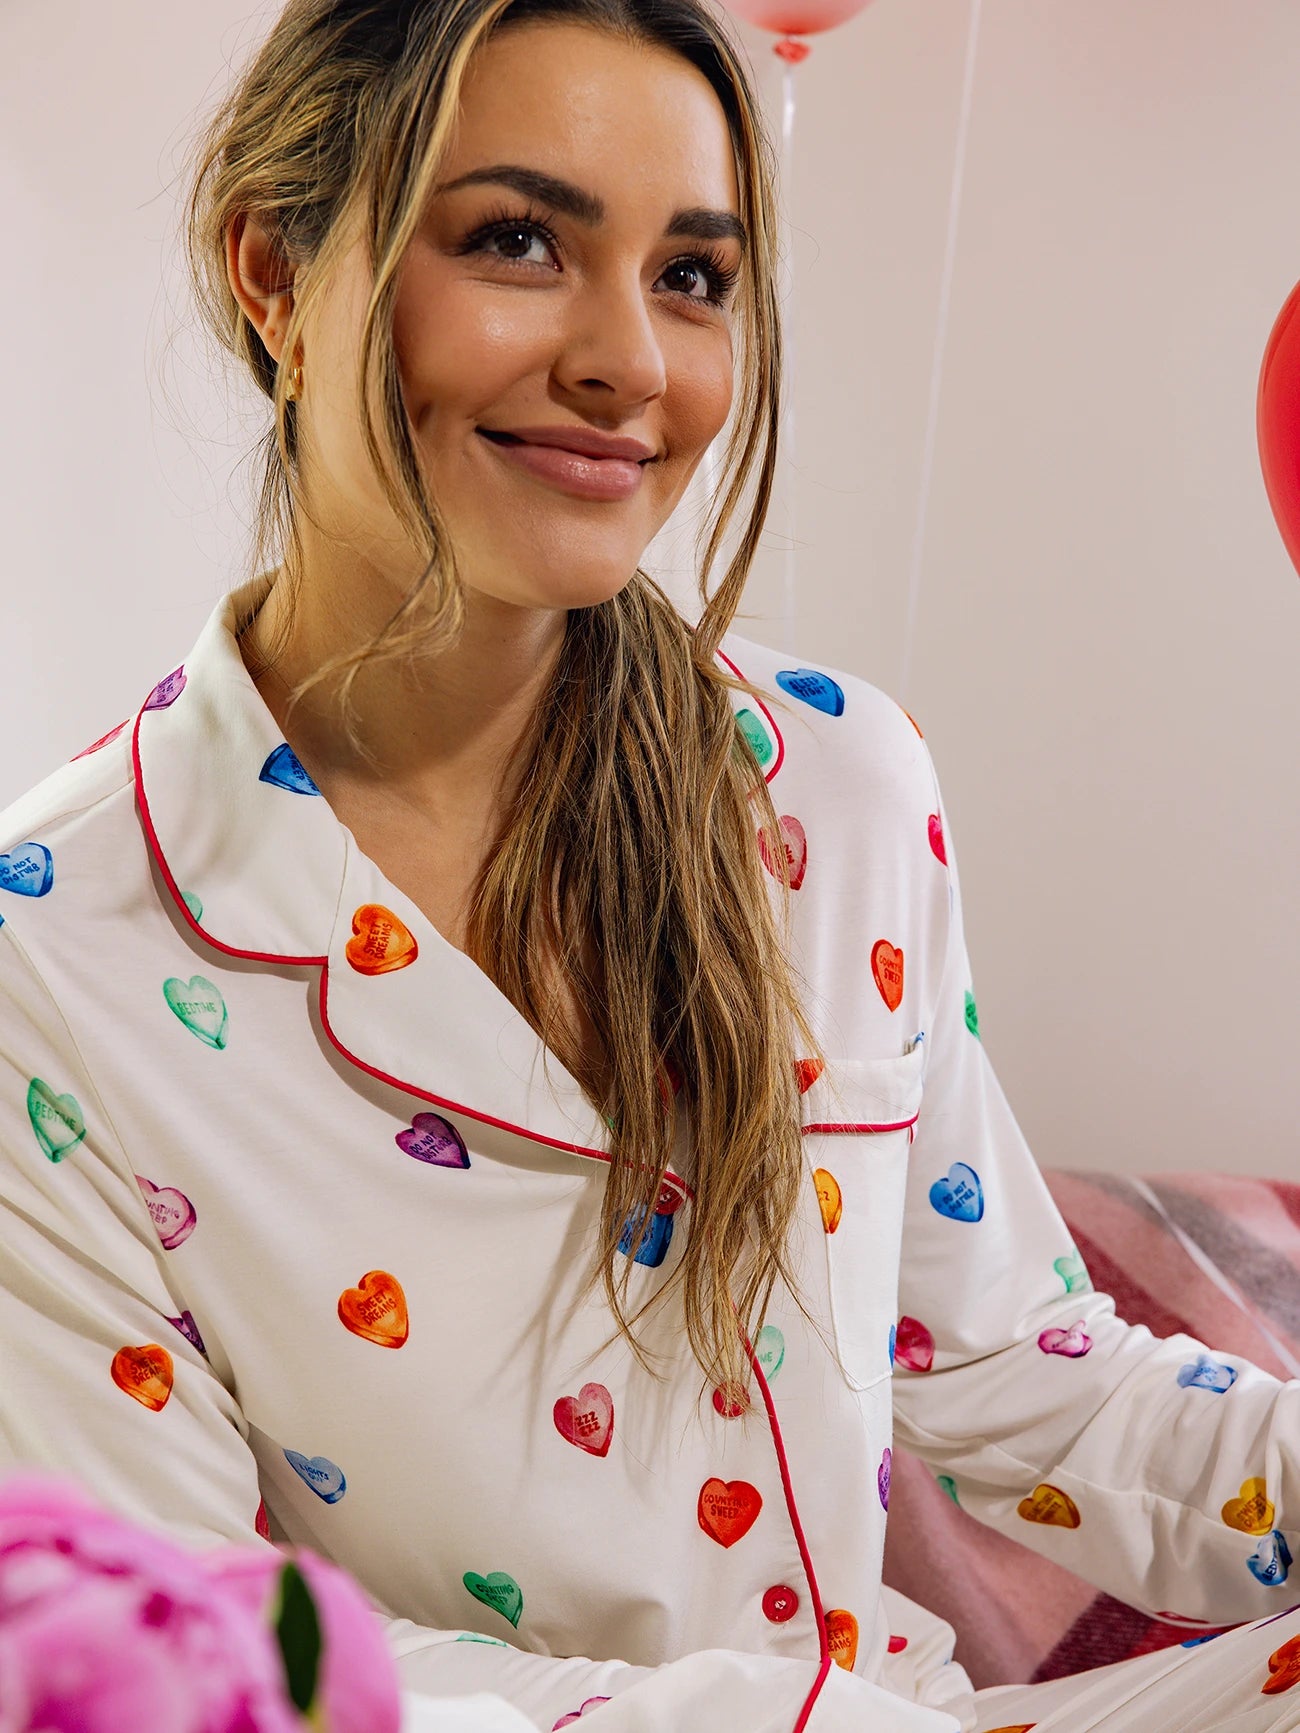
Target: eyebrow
696	222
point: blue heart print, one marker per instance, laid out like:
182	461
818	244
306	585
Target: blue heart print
27	870
814	688
325	1478
1207	1374
893	1342
1270	1562
959	1196
654	1248
282	770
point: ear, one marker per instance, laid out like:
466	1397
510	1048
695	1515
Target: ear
261	280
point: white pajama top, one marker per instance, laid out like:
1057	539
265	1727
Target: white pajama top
296	1216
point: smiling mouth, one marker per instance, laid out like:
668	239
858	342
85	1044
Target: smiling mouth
514	439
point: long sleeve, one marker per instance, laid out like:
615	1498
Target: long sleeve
1160	1470
107	1378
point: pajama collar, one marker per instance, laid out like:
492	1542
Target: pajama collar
259	867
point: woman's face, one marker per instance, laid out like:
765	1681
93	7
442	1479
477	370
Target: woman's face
611	317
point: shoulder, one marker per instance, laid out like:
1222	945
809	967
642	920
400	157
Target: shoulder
66	819
833	731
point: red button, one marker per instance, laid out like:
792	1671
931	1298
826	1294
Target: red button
780	1604
731	1400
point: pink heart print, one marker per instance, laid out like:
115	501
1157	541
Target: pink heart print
173	1213
587	1419
883	1477
1073	1343
568	1720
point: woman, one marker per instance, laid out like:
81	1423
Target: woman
485	1065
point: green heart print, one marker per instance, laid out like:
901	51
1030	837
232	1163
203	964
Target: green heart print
193	904
199	1006
949	1485
497	1590
972	1016
769	1351
56	1119
757	738
1072	1272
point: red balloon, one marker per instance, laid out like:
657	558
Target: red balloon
797	17
1277	422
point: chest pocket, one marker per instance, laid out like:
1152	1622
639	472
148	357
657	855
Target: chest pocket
857	1120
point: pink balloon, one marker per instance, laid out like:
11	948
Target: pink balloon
797	17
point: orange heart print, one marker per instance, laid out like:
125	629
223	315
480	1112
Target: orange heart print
1253	1512
887	967
145	1373
806	1073
829	1197
1283	1669
375	1309
380	941
1048	1504
842	1638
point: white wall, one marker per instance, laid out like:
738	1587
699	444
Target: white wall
1108	626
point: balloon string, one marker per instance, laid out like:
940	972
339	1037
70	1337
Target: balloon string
940	344
789	609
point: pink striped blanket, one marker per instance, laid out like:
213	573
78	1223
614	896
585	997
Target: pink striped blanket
1209	1254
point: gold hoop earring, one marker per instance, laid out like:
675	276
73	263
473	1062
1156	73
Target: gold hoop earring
294	390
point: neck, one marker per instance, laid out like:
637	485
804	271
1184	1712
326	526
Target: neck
446	730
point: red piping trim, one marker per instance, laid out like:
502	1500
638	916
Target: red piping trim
771	720
901	1125
801	1540
322	963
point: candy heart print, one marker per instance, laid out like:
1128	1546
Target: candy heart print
325	1478
168	690
1073	1343
883	1476
380	942
842	1638
1206	1373
1049	1505
375	1310
576	1714
282	770
914	1345
198	1004
813	688
829	1198
1283	1669
27	871
145	1373
794	844
1252	1511
936	838
728	1509
587	1419
887	970
1072	1272
1270	1563
172	1212
959	1196
56	1119
756	737
498	1590
434	1139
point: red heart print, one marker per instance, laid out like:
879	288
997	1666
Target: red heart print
914	1345
145	1373
887	967
897	1645
728	1509
375	1310
806	1073
587	1419
936	838
794	840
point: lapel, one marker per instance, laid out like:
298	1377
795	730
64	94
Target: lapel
259	867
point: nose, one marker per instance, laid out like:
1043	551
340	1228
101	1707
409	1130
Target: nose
611	344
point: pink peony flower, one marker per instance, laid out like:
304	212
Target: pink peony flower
105	1626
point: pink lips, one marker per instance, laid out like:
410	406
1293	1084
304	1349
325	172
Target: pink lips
596	478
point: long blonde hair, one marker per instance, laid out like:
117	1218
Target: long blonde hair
637	819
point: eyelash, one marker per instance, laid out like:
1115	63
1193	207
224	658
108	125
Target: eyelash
721	276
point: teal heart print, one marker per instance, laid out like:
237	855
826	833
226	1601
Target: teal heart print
56	1119
199	1006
